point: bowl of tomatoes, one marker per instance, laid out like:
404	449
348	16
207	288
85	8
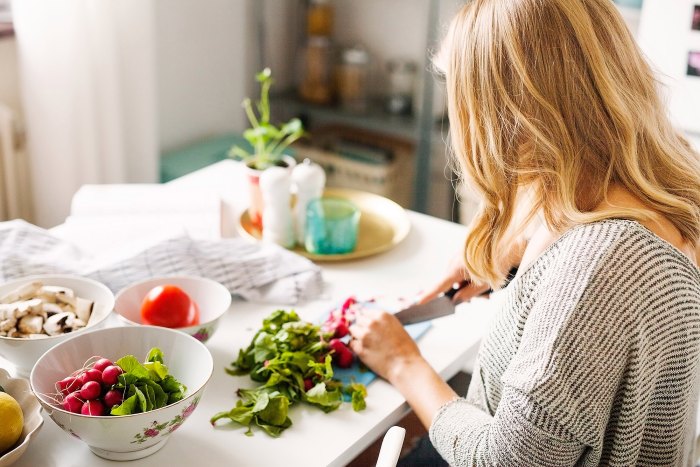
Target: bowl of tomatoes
191	304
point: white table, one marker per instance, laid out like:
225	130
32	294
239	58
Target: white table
315	439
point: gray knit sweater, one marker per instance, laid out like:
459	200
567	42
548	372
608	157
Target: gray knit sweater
593	359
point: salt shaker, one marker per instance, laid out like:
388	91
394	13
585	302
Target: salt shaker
275	184
309	179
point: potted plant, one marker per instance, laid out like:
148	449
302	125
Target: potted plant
268	143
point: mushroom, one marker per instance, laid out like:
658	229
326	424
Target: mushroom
56	294
8	324
6	311
30	324
56	323
21	293
83	308
36	310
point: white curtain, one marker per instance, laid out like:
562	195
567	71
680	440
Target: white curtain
87	73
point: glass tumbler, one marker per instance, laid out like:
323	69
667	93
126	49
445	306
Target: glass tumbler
331	226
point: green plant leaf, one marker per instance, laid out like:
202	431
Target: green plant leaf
263	75
131	365
155	355
157	371
127	407
275	412
327	400
239	154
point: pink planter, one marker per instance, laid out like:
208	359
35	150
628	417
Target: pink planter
255	209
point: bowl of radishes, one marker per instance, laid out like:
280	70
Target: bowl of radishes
123	390
190	304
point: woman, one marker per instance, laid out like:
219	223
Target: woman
593	358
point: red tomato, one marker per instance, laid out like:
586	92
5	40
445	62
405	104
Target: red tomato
169	306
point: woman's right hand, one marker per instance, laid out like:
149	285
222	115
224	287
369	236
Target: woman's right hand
456	273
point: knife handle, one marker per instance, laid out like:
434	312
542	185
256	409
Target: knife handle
456	287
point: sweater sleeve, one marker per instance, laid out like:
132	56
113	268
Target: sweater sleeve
520	433
559	385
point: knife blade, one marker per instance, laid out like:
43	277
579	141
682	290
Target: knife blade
442	305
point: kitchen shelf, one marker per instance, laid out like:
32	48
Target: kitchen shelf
419	129
375	118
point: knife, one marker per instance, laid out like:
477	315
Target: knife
442	305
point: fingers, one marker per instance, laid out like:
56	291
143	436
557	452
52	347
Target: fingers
455	273
470	291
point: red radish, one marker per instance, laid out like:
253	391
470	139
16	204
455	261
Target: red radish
90	375
341	328
342	355
68	385
348	303
101	364
72	403
308	384
91	390
113	398
111	374
345	359
94	408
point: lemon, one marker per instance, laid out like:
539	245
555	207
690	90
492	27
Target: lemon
11	421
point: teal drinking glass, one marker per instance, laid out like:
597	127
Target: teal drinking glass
331	226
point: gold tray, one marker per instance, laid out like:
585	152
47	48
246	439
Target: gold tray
383	225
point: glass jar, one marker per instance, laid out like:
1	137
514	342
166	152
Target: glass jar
319	18
316	82
352	79
402	79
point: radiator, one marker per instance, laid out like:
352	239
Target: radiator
15	190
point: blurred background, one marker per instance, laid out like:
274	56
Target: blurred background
104	91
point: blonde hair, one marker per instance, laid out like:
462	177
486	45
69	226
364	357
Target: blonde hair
554	98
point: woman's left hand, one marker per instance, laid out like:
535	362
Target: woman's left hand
381	342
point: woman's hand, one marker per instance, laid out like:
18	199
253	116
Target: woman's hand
456	273
381	342
386	348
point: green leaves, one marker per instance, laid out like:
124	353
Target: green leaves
263	76
286	355
327	400
268	141
146	386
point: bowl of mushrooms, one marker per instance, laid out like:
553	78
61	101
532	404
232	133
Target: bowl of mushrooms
38	312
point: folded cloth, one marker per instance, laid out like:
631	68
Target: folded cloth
255	271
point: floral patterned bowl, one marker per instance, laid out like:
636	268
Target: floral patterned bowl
212	298
31	410
125	437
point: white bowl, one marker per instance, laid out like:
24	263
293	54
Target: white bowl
23	352
31	410
134	436
212	298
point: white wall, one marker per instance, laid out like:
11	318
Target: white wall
203	68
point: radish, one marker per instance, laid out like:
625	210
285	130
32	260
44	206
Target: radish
93	407
72	403
68	385
348	303
90	375
91	390
101	364
113	398
110	375
342	355
308	384
341	328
